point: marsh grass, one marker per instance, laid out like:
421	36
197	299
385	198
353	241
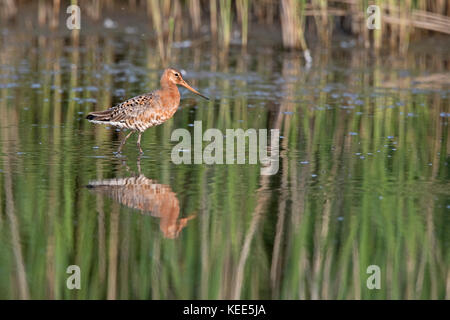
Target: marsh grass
309	232
226	21
298	20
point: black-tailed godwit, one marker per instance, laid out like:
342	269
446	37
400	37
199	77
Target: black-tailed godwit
149	197
146	110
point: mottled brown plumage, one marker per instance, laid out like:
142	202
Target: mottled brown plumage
147	110
148	196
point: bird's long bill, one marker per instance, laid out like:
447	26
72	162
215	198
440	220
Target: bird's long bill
185	84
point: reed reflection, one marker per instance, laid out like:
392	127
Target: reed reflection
148	196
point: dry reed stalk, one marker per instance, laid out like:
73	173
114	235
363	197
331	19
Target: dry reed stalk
242	7
226	21
270	11
94	9
320	8
8	9
54	22
213	18
404	27
163	15
195	14
290	23
178	18
155	11
42	12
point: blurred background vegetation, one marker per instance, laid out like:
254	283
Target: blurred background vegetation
227	21
363	177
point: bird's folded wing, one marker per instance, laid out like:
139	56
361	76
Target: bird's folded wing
132	108
129	109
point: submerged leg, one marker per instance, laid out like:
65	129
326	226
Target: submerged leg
138	164
139	143
123	142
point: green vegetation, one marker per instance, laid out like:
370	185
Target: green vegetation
401	20
363	179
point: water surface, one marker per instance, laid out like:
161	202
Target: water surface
363	177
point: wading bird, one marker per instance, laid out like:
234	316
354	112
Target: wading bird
147	110
149	197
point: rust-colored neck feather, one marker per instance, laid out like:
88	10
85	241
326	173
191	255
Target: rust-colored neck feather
169	93
165	81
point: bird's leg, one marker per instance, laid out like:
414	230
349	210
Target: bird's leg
123	142
139	143
138	164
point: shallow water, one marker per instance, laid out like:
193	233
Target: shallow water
363	176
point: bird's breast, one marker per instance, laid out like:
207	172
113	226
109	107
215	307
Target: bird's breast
153	117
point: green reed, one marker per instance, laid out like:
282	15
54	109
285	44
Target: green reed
295	18
242	7
226	20
290	236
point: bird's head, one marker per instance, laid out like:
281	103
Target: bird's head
173	230
174	76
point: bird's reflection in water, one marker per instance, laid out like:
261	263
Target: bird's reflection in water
148	196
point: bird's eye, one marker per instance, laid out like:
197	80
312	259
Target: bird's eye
176	74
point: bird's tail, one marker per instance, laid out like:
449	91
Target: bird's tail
99	115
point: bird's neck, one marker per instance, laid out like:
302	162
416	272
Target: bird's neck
170	94
166	84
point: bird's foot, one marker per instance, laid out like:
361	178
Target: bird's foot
141	152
